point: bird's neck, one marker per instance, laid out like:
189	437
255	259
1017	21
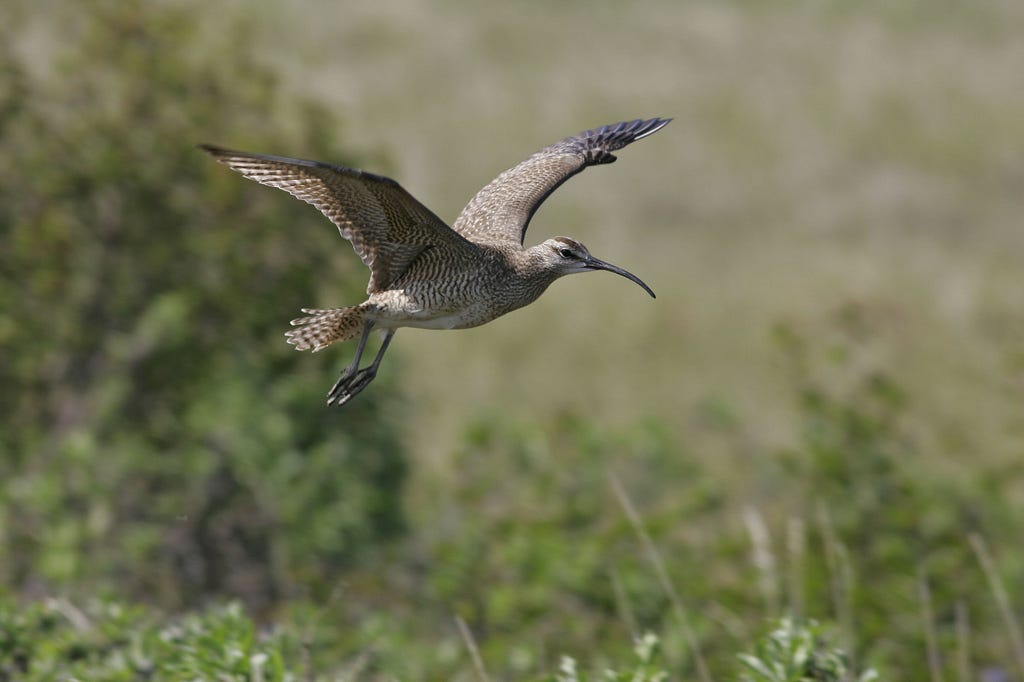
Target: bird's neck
517	276
532	271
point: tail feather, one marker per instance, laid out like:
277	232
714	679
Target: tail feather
321	328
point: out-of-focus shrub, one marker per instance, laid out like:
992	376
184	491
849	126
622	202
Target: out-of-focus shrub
156	433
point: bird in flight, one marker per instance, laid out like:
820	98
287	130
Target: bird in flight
424	273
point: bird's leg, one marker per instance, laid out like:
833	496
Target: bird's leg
354	380
354	365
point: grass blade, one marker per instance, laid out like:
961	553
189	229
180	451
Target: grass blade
931	640
1002	599
963	642
659	568
474	652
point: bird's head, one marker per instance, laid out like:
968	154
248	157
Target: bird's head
566	256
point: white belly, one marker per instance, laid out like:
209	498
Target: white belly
470	316
442	322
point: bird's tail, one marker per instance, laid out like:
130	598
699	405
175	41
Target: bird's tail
323	327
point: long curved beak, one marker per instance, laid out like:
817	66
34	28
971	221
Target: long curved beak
598	264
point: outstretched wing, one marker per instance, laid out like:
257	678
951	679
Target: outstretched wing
502	210
387	226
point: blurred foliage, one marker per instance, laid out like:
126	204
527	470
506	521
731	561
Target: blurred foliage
157	433
797	652
646	668
533	545
160	443
530	547
107	641
881	515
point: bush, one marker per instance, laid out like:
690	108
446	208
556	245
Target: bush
158	435
108	641
797	652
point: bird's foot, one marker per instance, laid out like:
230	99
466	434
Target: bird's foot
349	385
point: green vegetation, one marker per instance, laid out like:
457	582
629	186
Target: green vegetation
802	462
150	420
57	640
794	653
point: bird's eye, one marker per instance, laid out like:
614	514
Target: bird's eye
566	253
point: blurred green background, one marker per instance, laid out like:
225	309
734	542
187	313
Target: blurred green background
817	414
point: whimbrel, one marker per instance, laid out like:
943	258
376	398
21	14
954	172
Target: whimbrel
422	272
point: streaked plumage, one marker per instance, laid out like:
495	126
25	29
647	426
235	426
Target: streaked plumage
422	272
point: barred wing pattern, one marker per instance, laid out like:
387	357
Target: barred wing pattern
387	226
502	210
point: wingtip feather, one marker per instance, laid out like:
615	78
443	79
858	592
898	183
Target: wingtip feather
598	144
650	126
